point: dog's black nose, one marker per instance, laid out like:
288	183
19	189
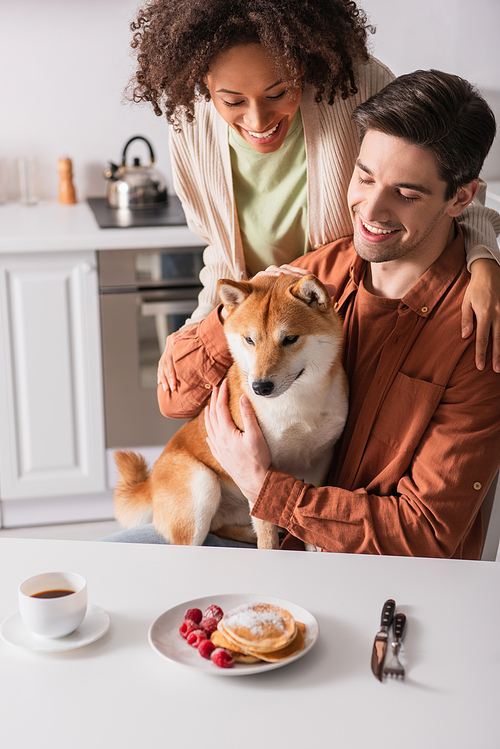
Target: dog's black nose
262	387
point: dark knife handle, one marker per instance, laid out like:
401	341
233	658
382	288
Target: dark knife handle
399	626
388	613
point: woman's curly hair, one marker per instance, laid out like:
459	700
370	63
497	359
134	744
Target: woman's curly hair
176	42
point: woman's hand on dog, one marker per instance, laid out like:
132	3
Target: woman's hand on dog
292	270
282	270
245	455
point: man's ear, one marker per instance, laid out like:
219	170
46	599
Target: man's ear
464	196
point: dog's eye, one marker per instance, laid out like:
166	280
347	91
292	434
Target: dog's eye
289	339
249	341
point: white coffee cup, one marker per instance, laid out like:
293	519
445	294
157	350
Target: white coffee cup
47	611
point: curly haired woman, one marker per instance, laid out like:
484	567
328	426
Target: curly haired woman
259	95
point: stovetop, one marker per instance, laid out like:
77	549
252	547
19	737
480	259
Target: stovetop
123	218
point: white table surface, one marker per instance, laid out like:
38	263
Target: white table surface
118	692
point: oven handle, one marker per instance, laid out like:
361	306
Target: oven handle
178	307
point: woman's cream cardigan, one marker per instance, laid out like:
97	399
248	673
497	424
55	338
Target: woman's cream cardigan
202	179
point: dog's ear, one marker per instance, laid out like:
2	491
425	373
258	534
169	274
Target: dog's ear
233	293
311	291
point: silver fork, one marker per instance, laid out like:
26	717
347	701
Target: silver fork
394	669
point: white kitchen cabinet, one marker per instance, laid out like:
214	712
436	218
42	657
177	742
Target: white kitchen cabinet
53	459
51	403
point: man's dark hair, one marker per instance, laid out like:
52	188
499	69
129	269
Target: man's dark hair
437	111
176	42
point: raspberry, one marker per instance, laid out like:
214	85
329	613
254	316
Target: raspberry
213	611
195	637
222	658
208	624
194	614
205	648
187	626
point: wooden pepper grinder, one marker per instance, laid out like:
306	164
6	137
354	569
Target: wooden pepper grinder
67	194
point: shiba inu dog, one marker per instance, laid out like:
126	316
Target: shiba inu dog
286	344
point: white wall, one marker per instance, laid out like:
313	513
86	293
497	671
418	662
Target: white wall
457	36
65	64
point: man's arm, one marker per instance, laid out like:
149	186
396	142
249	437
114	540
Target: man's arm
202	358
433	506
434	503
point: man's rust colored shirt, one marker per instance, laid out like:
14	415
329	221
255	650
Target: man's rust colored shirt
422	441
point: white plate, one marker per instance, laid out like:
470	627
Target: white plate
164	634
94	626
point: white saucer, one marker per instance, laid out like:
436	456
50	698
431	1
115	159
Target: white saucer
94	626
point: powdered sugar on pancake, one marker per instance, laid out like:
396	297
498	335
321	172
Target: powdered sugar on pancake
258	626
256	619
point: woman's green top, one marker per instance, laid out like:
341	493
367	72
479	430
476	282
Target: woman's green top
270	191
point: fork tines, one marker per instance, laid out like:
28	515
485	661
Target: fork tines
394	668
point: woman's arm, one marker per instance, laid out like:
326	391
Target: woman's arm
481	226
482	301
202	180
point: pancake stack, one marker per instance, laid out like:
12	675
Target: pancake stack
259	632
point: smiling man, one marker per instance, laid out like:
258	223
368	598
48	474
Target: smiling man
422	442
401	218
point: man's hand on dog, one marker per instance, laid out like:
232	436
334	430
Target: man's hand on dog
244	455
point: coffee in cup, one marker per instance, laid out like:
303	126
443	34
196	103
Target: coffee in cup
53	604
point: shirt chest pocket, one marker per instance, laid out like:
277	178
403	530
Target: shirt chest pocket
406	412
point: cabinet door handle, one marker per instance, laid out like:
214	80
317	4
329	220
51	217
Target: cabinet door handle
179	307
87	267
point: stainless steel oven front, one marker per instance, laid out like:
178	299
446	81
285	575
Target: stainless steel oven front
145	295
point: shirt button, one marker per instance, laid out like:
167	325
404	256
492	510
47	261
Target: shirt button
317	246
336	306
425	309
477	485
208	385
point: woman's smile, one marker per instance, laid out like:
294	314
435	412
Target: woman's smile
266	138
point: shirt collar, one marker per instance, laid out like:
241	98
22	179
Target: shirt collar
429	289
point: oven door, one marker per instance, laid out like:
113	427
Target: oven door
134	327
141	269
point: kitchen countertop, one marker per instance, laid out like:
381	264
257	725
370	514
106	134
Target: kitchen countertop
50	226
118	692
